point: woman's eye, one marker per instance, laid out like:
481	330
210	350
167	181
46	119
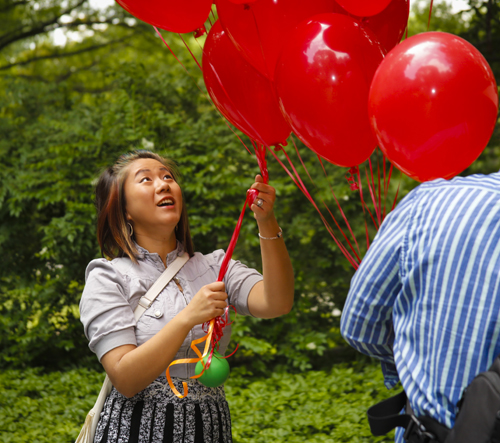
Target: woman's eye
167	177
143	179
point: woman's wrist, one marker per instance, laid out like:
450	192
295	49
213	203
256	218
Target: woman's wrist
269	227
278	235
184	320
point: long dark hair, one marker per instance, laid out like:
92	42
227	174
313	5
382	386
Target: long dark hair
112	230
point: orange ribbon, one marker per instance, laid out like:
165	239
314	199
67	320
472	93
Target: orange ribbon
192	360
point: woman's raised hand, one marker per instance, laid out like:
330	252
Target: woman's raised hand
209	302
264	203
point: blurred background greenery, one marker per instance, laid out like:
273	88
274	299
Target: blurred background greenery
79	85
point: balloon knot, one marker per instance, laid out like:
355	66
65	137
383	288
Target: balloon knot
200	31
350	176
246	7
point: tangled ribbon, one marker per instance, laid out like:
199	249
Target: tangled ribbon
219	323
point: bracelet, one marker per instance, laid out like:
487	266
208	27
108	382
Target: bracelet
278	235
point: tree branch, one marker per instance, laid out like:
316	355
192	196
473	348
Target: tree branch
28	77
12	5
40	28
69	73
59	79
84	90
63	54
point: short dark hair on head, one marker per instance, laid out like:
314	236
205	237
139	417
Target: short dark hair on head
112	233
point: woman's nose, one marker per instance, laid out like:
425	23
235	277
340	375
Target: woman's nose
161	186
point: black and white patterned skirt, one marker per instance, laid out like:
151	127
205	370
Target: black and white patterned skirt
156	415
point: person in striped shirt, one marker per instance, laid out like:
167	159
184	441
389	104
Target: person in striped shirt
425	300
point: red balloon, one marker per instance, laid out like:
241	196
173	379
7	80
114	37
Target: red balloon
364	8
259	30
242	2
433	105
243	95
389	25
323	77
171	15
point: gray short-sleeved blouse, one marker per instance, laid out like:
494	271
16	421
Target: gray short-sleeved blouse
113	289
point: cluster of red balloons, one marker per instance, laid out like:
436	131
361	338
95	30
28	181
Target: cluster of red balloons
273	66
319	68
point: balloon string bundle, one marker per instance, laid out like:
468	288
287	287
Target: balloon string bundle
353	256
300	184
214	328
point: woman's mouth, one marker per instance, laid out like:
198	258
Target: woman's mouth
166	202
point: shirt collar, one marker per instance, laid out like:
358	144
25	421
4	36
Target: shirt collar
155	259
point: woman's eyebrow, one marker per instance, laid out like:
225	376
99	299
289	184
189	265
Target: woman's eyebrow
140	171
149	170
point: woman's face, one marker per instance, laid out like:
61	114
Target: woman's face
153	198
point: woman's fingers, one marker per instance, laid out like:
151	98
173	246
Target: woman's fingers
264	203
209	302
216	286
267	190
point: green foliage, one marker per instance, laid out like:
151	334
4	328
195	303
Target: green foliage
60	123
442	19
38	407
483	30
316	406
66	112
322	406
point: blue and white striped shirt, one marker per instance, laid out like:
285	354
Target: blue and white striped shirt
426	298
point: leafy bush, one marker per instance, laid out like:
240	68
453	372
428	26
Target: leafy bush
315	406
38	408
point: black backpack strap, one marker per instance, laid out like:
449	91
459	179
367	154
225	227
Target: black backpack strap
495	366
438	431
496	432
386	415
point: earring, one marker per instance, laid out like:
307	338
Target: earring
176	228
131	230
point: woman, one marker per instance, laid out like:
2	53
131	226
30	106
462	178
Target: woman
142	227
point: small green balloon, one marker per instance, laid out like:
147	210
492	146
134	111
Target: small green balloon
216	374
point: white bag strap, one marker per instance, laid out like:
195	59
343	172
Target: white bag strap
147	299
87	432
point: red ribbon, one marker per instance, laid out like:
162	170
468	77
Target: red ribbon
219	324
214	328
